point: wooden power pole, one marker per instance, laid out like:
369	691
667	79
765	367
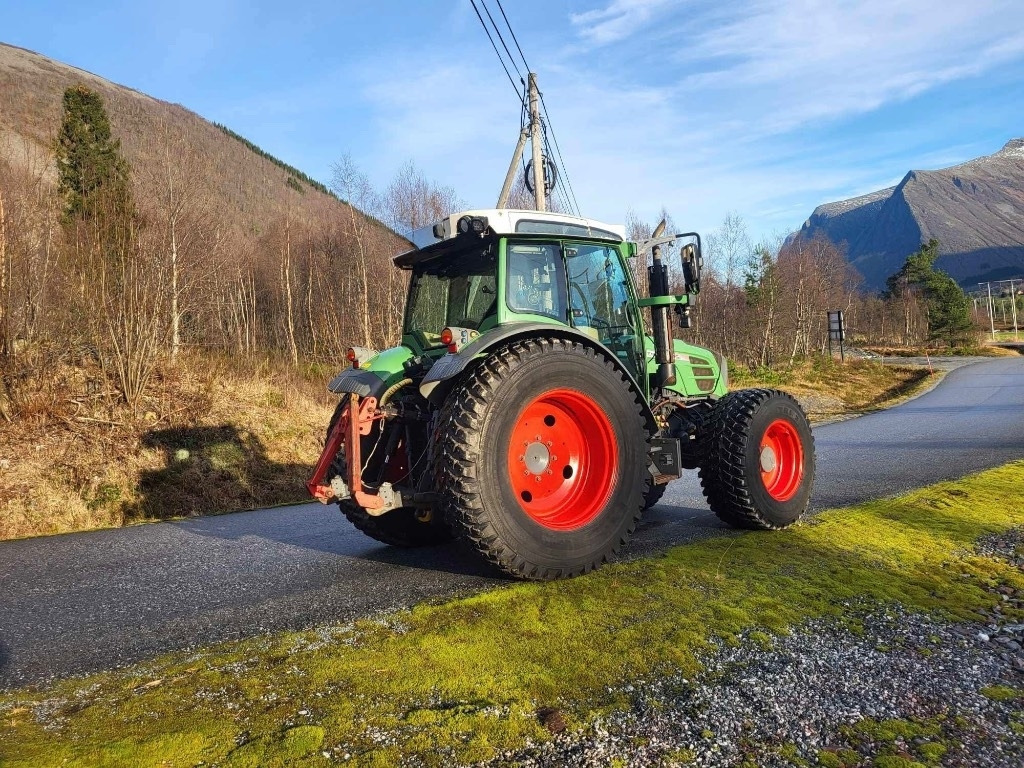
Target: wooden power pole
534	133
535	141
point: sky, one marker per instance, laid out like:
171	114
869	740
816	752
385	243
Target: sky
761	108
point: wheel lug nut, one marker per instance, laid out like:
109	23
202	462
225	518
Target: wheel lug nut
522	458
537	478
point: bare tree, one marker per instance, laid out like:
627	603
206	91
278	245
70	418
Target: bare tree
352	186
411	201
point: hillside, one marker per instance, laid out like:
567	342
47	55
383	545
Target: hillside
975	210
247	188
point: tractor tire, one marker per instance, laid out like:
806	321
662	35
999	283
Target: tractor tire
758	468
654	494
544	460
397	528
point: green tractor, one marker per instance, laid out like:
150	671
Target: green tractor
528	412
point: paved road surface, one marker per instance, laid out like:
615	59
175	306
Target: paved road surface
84	602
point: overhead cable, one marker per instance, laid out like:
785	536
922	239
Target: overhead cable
502	9
497	52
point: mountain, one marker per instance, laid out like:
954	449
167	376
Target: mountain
248	188
975	210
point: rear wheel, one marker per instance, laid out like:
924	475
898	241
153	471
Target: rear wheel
401	527
758	470
544	459
654	494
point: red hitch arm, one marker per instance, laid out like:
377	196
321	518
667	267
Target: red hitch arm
347	431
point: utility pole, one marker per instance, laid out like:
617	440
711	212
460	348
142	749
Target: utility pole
991	316
535	141
506	188
1013	305
534	133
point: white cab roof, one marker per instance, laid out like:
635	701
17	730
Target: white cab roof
510	221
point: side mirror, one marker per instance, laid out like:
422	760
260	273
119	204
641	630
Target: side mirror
693	261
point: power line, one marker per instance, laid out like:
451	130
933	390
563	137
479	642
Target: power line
569	199
558	152
502	9
501	37
497	52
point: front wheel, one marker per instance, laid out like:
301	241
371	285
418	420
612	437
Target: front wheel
544	459
758	466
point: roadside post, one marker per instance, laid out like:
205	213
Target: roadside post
836	332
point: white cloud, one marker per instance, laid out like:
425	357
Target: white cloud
806	60
618	20
752	111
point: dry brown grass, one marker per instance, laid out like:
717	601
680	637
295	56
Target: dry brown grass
829	389
212	436
215	435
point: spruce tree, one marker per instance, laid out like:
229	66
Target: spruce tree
949	315
90	167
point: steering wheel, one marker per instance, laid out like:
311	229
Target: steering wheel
593	319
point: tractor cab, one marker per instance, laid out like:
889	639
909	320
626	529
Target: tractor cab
476	270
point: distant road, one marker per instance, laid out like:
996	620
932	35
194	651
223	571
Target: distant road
89	601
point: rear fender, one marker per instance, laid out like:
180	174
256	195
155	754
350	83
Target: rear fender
373	376
447	370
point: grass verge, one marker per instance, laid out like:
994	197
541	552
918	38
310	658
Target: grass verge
828	389
213	436
454	682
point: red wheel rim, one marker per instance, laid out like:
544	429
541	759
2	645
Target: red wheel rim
782	460
562	459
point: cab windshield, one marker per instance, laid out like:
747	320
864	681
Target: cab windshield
458	292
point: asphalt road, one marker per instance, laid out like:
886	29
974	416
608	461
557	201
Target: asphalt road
84	602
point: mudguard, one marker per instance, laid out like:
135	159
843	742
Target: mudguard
445	370
362	383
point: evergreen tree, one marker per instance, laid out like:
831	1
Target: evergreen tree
949	315
89	162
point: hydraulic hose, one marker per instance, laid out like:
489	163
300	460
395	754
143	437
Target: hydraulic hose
391	391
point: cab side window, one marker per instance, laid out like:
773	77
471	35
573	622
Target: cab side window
598	291
536	282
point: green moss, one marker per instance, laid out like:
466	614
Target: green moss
300	741
678	757
760	639
895	761
931	752
463	680
791	755
1001	693
829	759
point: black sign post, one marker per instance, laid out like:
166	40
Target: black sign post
836	332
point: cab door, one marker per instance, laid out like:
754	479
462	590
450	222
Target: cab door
601	304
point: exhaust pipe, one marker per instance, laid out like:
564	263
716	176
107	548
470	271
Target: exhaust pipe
657	279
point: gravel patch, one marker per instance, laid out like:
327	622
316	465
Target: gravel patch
822	695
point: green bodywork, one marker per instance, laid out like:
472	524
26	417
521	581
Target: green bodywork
698	372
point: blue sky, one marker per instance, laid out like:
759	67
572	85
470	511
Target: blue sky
765	108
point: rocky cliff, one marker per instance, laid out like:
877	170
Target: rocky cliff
975	210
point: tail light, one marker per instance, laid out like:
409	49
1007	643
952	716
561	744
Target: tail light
448	339
359	355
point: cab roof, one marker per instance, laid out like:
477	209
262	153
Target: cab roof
506	221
